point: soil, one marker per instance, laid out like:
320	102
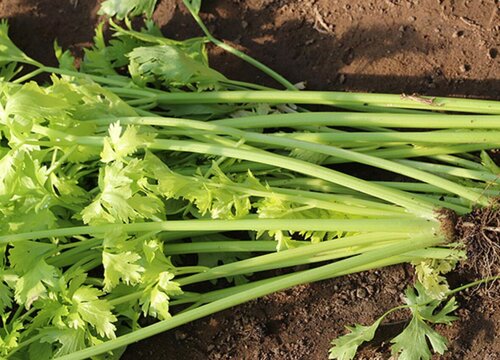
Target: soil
429	47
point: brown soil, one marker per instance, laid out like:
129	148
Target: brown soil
434	47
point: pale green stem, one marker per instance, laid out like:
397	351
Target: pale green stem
397	197
472	284
221	246
428	253
424	137
399	152
314	253
182	270
398	168
318	98
463	163
453	171
353	120
315	147
409	151
69	257
117	80
27	76
383	208
331	270
367	225
263	261
324	186
420	208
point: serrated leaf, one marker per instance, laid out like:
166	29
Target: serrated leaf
88	100
65	58
423	305
51	312
5	297
40	351
35	275
127	8
210	196
411	344
121	143
9	71
33	284
150	249
122	267
96	62
438	341
165	282
69	340
30	104
11	338
171	66
345	347
155	303
443	315
95	311
122	198
156	296
25	255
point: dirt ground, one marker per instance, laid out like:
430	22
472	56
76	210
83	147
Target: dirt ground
431	47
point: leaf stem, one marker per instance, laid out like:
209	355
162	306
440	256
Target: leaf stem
316	98
354	120
262	262
265	69
403	225
221	246
330	270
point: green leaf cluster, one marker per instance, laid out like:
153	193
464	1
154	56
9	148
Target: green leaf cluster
418	337
141	172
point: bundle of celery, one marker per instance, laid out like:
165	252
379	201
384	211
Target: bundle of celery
145	172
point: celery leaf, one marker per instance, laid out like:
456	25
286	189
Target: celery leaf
127	8
122	267
69	340
94	311
345	347
35	275
171	66
412	343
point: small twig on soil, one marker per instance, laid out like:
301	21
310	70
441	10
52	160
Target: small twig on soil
470	22
494	13
318	20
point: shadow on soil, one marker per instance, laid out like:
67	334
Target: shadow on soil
298	48
302	50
